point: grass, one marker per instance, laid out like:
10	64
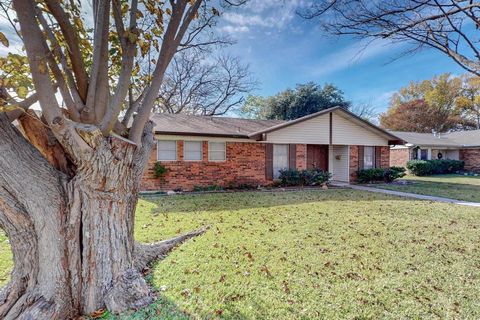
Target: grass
5	259
466	188
315	254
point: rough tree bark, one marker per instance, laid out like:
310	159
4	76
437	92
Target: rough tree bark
72	236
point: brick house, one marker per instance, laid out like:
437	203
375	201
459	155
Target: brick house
461	145
205	151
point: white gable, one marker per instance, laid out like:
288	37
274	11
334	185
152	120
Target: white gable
346	131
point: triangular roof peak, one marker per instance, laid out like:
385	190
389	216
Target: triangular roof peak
392	138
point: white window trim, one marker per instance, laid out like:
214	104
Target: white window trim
374	155
201	151
276	173
176	151
224	151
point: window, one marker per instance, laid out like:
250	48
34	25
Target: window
217	151
368	157
423	154
192	150
280	159
166	150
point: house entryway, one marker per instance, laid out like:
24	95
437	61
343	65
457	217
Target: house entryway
317	156
340	163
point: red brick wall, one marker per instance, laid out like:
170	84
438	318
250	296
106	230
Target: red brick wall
245	164
385	157
384	160
353	163
471	158
301	162
399	157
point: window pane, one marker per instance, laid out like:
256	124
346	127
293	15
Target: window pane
216	151
424	154
192	150
368	157
280	158
166	150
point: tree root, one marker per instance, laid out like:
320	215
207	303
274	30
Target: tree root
147	253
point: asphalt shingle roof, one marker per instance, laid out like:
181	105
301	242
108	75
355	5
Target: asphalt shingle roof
452	139
166	123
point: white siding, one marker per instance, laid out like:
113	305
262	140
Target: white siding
317	131
347	132
314	131
339	163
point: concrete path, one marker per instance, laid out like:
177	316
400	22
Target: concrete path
407	194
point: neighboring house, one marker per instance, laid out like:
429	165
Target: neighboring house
206	151
461	145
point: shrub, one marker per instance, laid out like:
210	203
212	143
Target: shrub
370	175
307	177
159	171
393	173
380	174
428	167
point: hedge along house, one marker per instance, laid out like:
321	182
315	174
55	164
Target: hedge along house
231	152
460	145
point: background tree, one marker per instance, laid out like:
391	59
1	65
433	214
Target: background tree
429	105
69	183
414	116
291	104
450	27
198	84
365	111
469	101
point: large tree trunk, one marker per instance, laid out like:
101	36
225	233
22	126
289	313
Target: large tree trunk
72	236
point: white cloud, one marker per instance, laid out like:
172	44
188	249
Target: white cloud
353	54
234	29
266	14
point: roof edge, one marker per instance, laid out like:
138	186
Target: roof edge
199	134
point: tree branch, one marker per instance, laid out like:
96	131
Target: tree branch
71	38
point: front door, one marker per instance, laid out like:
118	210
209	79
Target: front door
317	156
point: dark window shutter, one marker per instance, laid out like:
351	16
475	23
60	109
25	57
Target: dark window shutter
292	156
378	157
269	161
360	157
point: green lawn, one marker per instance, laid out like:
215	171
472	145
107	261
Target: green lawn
5	259
334	254
447	185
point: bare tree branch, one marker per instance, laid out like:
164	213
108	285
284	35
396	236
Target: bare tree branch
442	25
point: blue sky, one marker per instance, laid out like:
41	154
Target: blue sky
283	49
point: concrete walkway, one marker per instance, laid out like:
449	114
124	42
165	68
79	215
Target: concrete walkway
407	194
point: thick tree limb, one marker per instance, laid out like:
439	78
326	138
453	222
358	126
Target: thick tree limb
98	90
69	92
176	29
37	57
71	38
128	55
147	253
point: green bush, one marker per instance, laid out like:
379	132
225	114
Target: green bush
429	167
393	173
380	174
307	177
159	171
